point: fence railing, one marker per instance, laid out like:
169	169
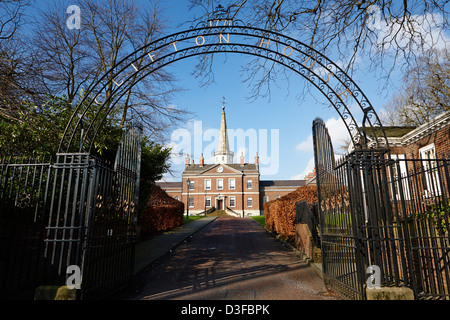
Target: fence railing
384	210
392	212
77	210
421	206
24	185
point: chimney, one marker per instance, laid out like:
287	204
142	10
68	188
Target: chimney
242	159
187	160
257	159
202	161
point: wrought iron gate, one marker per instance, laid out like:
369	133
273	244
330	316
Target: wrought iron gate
383	210
342	252
78	210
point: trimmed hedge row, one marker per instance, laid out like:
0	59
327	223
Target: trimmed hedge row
280	213
162	213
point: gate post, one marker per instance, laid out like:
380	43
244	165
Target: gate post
358	206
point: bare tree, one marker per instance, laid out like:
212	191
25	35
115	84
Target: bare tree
117	28
74	60
63	54
425	91
388	35
16	65
11	13
16	78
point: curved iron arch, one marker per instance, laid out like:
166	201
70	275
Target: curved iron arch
342	84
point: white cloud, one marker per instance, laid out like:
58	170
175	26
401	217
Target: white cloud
173	107
425	31
306	145
309	168
338	133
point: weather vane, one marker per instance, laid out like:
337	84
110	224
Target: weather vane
223	102
219	13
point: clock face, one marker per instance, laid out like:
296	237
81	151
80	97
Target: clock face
219	169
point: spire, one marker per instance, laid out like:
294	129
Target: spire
223	154
223	147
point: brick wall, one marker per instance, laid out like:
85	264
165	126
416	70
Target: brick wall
440	138
241	193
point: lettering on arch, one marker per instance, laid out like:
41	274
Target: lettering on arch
225	35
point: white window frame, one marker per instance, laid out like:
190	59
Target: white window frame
403	174
232	205
251	202
249	186
265	199
191	185
219	186
207	185
206	203
232	186
431	174
191	203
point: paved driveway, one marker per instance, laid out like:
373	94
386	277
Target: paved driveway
230	259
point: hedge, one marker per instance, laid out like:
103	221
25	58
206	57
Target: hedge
162	212
280	213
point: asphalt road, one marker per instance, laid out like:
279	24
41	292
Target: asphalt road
230	259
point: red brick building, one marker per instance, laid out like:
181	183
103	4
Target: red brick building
224	185
420	149
430	140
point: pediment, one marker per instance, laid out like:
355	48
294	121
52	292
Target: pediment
215	170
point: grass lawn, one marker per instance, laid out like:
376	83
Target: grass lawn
260	219
191	218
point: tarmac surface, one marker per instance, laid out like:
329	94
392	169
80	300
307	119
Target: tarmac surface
222	258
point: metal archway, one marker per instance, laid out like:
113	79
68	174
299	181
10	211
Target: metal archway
222	36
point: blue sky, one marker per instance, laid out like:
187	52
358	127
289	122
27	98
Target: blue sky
290	120
284	113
